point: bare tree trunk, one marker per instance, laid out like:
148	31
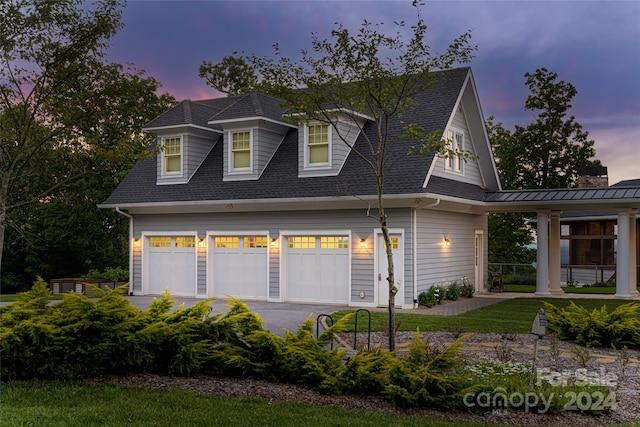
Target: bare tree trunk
4	185
390	267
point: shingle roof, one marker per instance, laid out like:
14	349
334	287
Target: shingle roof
628	183
432	110
253	104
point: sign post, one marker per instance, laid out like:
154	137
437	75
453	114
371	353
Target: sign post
539	329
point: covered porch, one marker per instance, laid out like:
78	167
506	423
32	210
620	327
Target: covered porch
548	205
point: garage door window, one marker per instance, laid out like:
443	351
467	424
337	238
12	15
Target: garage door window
255	242
185	242
227	242
302	242
160	242
334	242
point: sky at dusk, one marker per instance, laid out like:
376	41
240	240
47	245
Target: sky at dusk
593	45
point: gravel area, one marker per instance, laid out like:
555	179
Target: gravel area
513	347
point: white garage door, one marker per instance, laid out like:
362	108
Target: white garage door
171	263
317	269
239	267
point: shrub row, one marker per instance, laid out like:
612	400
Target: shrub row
597	328
82	337
438	293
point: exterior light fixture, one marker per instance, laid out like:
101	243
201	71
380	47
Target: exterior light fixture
136	242
274	243
363	243
201	243
446	242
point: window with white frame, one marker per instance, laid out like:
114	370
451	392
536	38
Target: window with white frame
317	144
454	160
172	155
240	150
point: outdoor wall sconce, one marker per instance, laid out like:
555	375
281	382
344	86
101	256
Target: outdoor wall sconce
446	242
274	243
201	243
363	243
136	242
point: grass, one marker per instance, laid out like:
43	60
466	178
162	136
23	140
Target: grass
34	403
14	297
602	290
512	316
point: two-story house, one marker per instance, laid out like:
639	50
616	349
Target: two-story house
242	201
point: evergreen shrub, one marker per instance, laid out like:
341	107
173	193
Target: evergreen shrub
597	328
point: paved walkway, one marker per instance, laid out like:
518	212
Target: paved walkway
460	306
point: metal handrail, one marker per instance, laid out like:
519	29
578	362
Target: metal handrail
318	325
355	329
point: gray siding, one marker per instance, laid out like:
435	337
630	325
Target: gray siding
362	260
266	143
194	150
471	168
437	265
137	269
201	278
339	149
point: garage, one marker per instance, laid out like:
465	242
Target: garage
171	263
317	269
238	266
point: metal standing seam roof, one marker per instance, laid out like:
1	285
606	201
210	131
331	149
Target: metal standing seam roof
563	194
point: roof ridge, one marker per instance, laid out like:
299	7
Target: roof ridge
256	103
186	110
240	98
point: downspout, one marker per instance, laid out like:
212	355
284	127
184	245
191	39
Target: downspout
415	250
130	247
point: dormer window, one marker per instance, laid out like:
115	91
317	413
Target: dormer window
240	156
172	155
318	145
454	161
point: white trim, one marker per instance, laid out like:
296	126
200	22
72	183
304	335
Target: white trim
350	113
457	162
414	238
377	232
209	237
144	257
430	171
246	119
479	281
308	166
316	233
157	128
163	171
231	170
471	80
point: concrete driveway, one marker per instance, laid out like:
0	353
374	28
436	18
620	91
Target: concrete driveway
276	316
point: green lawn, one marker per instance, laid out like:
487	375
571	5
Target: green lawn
32	403
13	297
512	316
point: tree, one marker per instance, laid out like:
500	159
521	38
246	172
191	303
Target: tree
70	129
232	75
364	74
546	154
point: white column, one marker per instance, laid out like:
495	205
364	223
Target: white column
542	263
554	254
622	262
633	256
